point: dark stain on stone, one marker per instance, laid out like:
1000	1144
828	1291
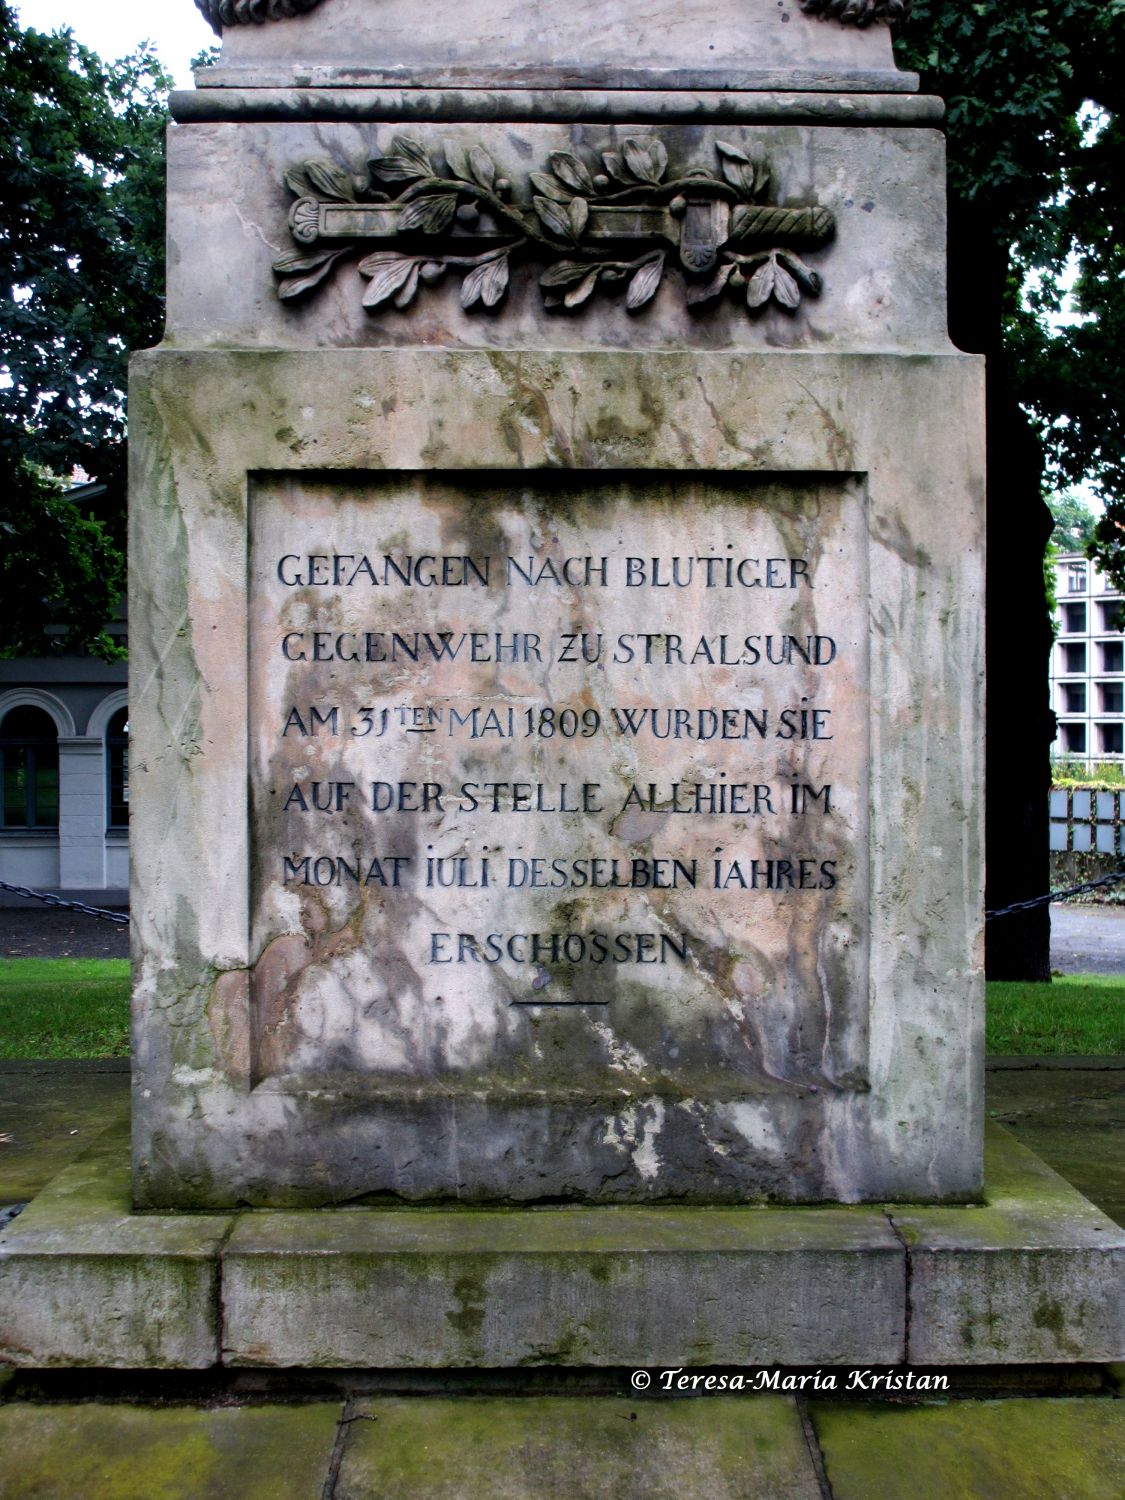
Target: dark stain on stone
468	1320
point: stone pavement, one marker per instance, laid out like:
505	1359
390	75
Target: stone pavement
595	1446
49	1113
1071	1115
99	1437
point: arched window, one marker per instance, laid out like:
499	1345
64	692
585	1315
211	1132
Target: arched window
117	762
30	747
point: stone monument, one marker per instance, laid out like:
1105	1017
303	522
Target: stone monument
556	677
556	619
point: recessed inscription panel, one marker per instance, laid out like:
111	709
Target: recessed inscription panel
560	786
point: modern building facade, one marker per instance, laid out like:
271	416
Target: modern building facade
1088	664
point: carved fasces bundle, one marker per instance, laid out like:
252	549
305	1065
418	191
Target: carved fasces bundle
609	223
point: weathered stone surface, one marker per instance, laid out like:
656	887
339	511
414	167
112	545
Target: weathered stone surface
577	1449
84	1282
1011	1450
122	1452
216	1123
1035	1274
506	886
404	974
625	1286
734	44
883	271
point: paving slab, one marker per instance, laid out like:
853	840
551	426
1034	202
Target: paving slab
1036	1449
102	1452
1073	1117
555	1448
86	1282
50	1112
1034	1274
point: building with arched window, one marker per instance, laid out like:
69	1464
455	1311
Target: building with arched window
64	794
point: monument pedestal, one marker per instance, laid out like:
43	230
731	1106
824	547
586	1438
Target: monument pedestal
556	694
1031	1275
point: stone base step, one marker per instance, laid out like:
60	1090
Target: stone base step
1031	1276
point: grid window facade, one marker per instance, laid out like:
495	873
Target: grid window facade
1087	672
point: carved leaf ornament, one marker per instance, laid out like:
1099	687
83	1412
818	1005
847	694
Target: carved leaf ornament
858	12
222	13
596	227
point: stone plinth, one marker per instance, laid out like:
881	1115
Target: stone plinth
252	1081
1032	1275
676	44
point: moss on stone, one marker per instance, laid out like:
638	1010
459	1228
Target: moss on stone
123	1453
1035	1449
567	1448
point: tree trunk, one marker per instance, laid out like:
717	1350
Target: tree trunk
1019	725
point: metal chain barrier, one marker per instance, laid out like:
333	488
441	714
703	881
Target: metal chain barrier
121	918
118	918
1074	890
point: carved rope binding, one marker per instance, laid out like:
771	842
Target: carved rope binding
596	227
222	13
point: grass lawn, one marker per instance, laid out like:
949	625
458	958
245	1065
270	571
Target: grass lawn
1079	1014
79	1007
64	1007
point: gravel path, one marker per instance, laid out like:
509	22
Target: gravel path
1088	939
47	932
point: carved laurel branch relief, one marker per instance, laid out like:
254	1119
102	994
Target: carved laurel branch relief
222	13
614	224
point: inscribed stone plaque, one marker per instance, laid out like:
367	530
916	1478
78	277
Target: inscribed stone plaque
559	785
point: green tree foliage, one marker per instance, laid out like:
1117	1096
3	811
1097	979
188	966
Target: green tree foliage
81	282
1074	522
1037	183
1074	532
1033	189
